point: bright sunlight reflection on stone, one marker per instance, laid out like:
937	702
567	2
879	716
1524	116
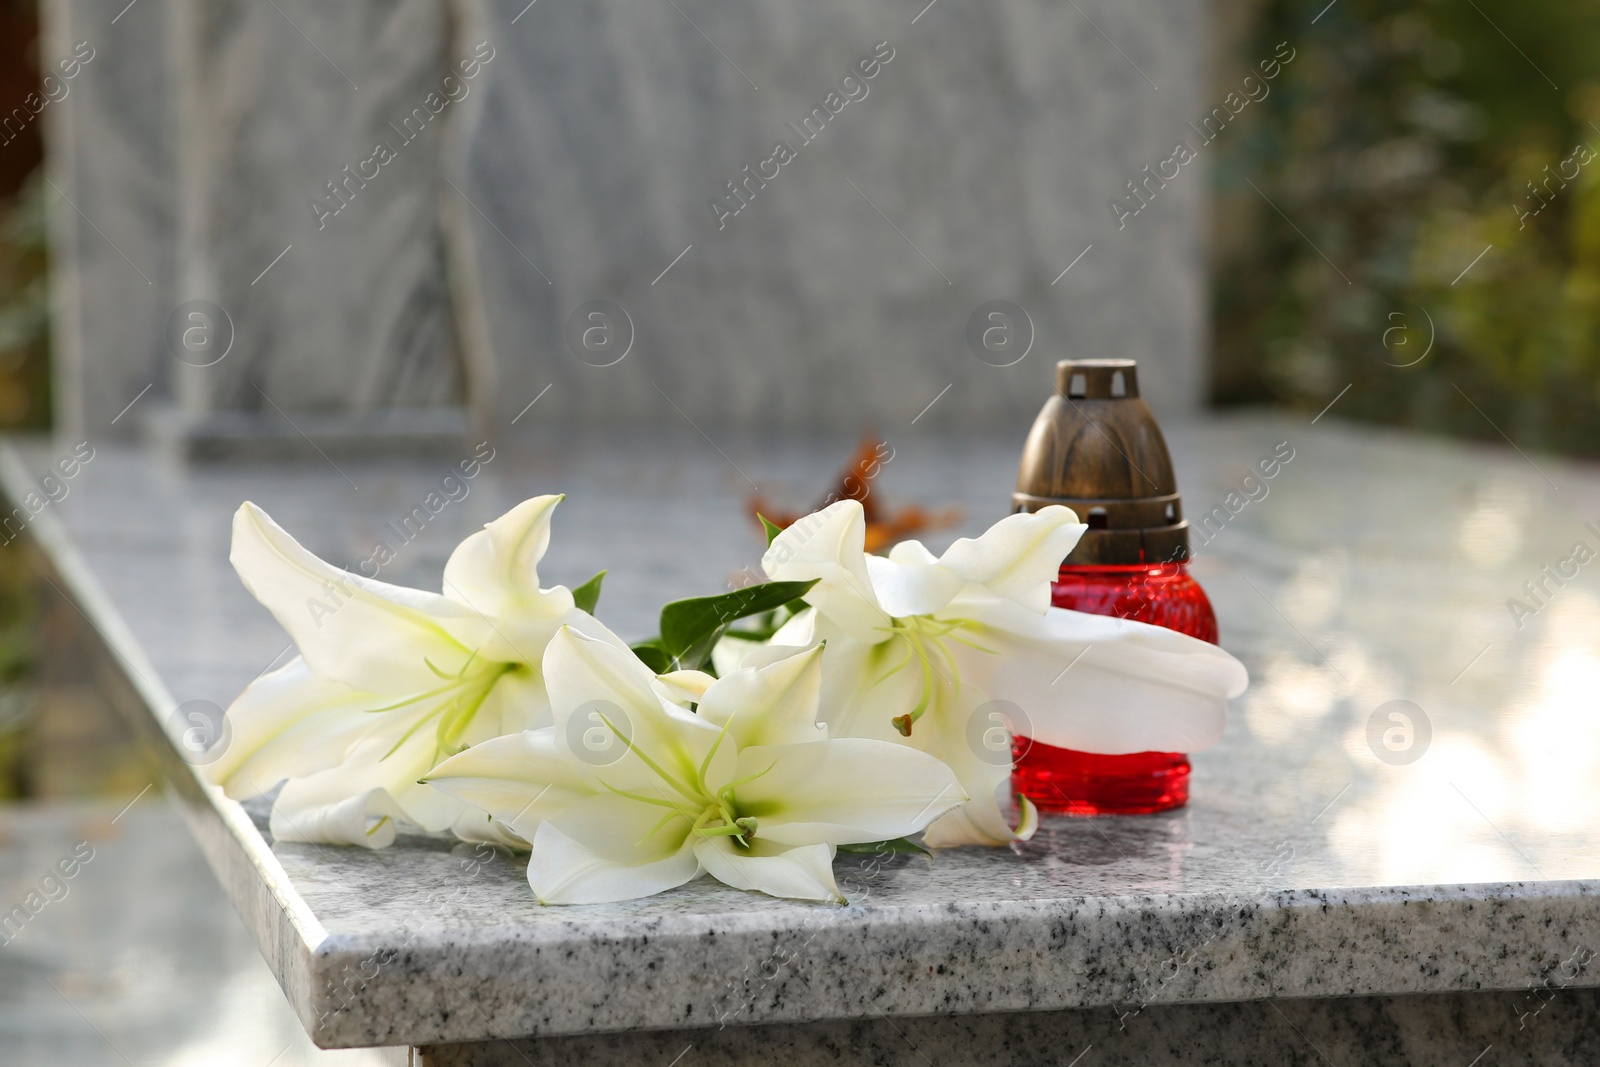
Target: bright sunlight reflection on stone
1418	826
1491	533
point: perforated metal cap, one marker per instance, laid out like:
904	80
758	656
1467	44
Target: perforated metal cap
1097	449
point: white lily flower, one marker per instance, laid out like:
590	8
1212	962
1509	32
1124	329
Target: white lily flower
939	652
389	680
630	793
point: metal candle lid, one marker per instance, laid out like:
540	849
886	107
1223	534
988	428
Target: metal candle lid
1096	448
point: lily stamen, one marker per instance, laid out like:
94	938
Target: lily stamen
648	762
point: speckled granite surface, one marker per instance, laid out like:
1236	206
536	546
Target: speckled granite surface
1438	1030
1311	863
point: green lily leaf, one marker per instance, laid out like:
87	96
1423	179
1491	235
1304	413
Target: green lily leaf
772	528
690	628
763	626
900	845
653	656
587	595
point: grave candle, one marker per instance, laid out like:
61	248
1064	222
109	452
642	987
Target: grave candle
1097	449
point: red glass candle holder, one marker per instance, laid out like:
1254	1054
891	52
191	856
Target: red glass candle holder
1067	781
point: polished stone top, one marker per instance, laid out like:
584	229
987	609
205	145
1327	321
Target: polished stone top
1328	849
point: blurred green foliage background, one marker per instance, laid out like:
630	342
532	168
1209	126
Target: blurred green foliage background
24	295
1405	140
24	384
24	308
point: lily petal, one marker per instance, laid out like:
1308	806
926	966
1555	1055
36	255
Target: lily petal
683	687
803	872
384	777
598	690
830	545
517	702
728	654
368	634
520	779
343	821
946	731
1100	684
981	824
288	722
843	792
909	584
771	705
796	635
1019	556
498	567
475	826
608	848
866	686
495	573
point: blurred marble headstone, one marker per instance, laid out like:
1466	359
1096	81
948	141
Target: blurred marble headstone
958	181
304	305
365	220
112	165
314	279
